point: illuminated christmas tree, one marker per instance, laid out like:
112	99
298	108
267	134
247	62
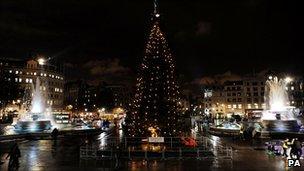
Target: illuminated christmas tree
155	106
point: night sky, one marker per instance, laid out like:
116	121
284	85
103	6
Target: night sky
104	39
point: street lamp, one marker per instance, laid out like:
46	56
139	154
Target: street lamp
41	61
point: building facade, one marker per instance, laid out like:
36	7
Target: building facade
27	72
246	95
82	97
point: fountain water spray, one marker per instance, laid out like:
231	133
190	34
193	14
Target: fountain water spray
277	101
39	118
278	115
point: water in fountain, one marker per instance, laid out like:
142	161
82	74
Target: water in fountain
37	105
278	116
38	118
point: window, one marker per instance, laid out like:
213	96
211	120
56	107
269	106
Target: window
249	100
248	88
239	99
255	89
249	106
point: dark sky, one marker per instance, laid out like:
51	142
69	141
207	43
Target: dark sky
104	37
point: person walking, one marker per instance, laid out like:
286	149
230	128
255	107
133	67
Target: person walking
285	147
297	148
54	134
14	155
242	129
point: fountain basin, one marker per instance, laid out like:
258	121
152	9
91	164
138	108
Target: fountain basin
33	126
281	125
225	129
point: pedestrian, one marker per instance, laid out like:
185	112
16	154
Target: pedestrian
285	147
55	133
14	155
298	148
242	129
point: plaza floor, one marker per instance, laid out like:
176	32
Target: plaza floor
64	155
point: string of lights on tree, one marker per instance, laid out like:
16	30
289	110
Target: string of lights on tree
157	96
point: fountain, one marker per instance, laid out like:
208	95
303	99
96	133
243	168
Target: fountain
38	118
279	116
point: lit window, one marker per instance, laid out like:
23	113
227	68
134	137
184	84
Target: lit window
234	106
20	80
17	72
10	71
249	106
292	87
240	106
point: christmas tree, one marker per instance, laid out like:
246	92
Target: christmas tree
155	107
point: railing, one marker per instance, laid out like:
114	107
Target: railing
131	148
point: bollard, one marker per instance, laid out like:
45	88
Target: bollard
163	155
180	153
125	142
146	155
129	153
198	156
111	153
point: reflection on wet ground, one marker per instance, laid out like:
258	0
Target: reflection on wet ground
64	155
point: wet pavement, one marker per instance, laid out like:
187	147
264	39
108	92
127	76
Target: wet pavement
64	155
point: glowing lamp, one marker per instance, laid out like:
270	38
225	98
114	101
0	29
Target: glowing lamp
41	61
